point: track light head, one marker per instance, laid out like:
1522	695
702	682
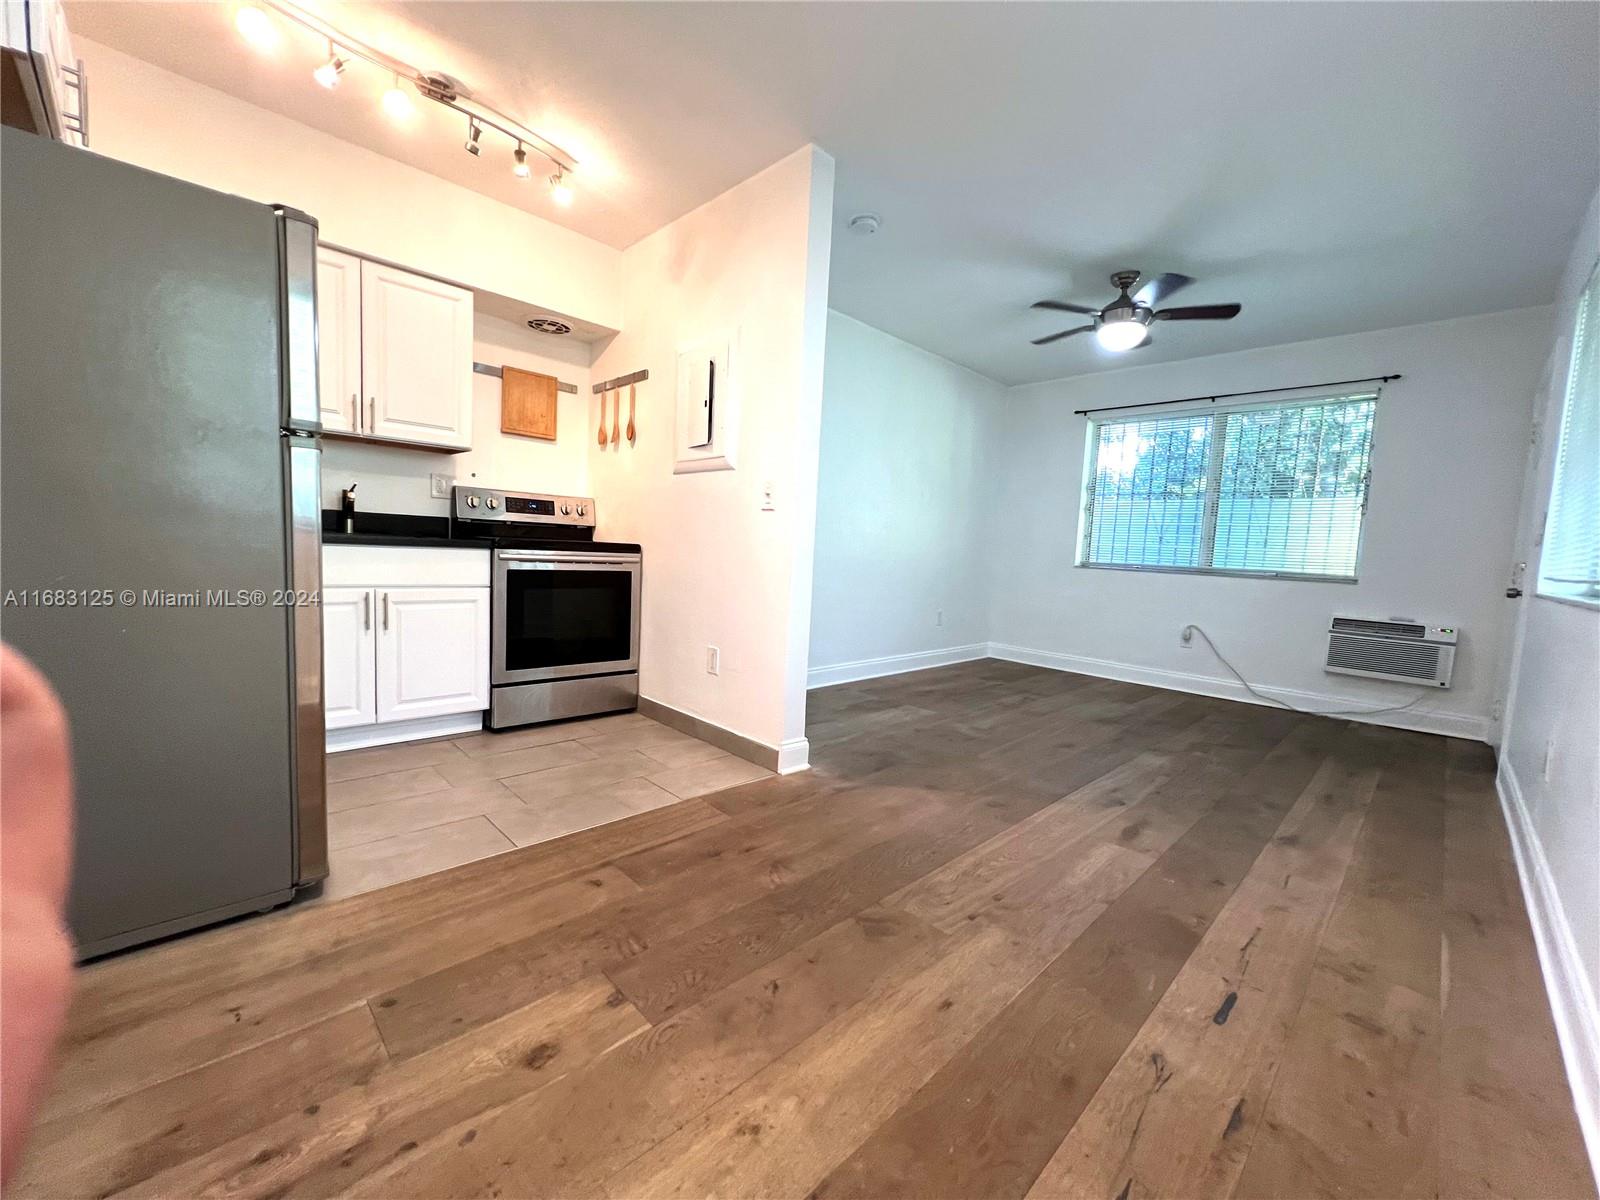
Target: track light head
328	73
256	27
560	189
519	163
474	130
396	103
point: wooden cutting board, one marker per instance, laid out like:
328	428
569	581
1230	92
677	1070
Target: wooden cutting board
527	404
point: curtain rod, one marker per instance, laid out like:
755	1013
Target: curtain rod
1084	412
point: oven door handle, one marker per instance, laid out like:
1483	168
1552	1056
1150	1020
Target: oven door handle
516	558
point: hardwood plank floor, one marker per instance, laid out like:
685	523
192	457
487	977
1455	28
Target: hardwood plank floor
1019	933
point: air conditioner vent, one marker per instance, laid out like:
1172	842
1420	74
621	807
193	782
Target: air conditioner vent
1403	629
1400	651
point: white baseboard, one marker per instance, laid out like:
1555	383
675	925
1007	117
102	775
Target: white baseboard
794	756
1423	720
359	736
893	664
1572	999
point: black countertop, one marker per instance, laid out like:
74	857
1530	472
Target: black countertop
407	529
392	529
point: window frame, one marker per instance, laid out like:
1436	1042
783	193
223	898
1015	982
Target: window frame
1090	454
1590	603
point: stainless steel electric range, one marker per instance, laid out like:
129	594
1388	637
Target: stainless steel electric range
564	640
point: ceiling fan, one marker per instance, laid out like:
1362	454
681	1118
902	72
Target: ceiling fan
1125	323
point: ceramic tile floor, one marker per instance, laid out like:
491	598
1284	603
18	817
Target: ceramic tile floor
398	812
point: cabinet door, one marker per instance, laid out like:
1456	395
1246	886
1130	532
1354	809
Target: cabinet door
433	652
338	338
349	656
416	357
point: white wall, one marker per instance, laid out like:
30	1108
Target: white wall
396	480
902	512
718	570
1553	707
1445	481
363	201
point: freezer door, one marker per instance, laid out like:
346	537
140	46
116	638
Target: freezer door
145	530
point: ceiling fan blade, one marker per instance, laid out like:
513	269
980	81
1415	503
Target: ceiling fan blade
1199	312
1056	337
1154	291
1063	306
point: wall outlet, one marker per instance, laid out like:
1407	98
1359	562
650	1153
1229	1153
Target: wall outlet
767	504
1186	638
713	661
439	486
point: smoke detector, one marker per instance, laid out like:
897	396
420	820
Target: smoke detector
549	325
865	223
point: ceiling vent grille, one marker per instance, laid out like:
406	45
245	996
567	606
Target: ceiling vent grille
1400	651
549	325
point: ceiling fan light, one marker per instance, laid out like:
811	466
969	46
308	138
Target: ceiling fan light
1121	335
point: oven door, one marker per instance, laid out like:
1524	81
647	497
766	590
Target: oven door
560	614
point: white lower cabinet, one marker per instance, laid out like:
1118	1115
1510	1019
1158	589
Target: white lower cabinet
433	652
349	658
403	653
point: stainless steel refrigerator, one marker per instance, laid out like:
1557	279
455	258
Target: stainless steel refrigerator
160	530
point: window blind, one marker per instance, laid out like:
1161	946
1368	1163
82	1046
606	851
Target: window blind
1569	566
1267	490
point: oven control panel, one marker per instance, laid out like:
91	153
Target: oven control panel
535	508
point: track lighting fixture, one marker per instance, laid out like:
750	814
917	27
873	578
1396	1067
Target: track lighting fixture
328	73
396	103
258	23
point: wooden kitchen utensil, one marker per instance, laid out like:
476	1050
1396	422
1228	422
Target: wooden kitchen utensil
631	402
616	419
602	418
528	404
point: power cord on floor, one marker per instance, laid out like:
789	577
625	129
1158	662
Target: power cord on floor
1310	712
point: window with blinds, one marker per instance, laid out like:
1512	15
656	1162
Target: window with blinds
1266	490
1569	565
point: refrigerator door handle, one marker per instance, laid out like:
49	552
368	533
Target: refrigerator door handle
297	276
303	476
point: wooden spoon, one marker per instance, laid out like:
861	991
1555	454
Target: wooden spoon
616	419
602	418
631	401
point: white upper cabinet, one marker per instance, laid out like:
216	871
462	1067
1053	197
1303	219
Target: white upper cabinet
339	339
41	74
416	357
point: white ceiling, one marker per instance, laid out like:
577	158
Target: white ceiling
1333	167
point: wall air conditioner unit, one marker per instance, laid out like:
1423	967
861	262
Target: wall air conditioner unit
1398	650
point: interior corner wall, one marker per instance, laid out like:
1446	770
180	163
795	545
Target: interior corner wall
721	566
1437	543
902	515
1550	754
